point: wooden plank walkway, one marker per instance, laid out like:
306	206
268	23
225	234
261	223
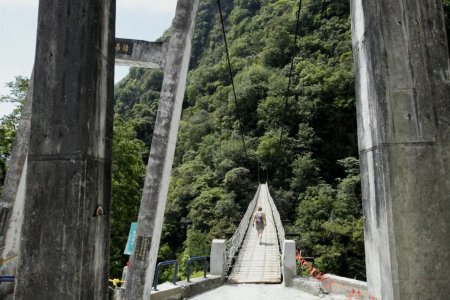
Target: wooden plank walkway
259	263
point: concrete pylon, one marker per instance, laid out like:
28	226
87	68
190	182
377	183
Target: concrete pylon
64	248
403	92
13	197
127	52
156	186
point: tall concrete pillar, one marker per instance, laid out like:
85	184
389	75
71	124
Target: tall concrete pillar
143	54
156	186
64	248
13	197
403	92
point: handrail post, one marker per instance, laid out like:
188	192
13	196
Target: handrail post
155	281
194	258
204	268
165	263
175	274
188	275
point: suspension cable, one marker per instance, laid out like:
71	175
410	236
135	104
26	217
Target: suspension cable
241	127
288	91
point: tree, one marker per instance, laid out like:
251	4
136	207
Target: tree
213	177
128	171
331	224
9	123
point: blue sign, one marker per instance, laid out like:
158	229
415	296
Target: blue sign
131	237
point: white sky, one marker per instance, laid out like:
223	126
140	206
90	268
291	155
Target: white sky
136	19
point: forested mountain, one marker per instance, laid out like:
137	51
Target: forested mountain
312	169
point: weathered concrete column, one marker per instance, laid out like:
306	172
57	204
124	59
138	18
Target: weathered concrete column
218	258
127	52
289	265
403	92
64	247
156	186
13	197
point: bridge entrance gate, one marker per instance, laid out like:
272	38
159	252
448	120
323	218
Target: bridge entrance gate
402	85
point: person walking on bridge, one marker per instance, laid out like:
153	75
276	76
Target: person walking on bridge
260	220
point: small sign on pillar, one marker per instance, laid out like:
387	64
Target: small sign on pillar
124	46
130	241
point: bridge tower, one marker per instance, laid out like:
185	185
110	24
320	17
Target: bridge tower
92	130
159	167
402	85
64	243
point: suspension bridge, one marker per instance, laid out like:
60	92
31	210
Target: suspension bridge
54	211
254	270
259	262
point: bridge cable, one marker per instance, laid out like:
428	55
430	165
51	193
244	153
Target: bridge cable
288	91
241	127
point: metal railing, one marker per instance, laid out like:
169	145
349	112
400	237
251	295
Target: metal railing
234	243
196	258
165	263
276	217
7	278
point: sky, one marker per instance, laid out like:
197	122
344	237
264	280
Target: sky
135	19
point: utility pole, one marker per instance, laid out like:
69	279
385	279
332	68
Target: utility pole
156	186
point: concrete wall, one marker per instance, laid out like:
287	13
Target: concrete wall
65	237
402	87
338	287
344	286
180	290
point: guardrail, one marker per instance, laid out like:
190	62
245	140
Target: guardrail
7	278
165	263
234	243
195	258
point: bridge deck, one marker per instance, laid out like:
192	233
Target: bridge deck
259	292
259	263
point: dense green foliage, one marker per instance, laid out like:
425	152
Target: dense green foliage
9	123
127	170
312	171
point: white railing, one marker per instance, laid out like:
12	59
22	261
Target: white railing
234	243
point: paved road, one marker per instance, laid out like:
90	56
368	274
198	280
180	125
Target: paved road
254	292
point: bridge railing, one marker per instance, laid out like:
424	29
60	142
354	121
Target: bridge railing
234	243
196	258
165	263
276	217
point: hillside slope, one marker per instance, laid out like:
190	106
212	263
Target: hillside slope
312	169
